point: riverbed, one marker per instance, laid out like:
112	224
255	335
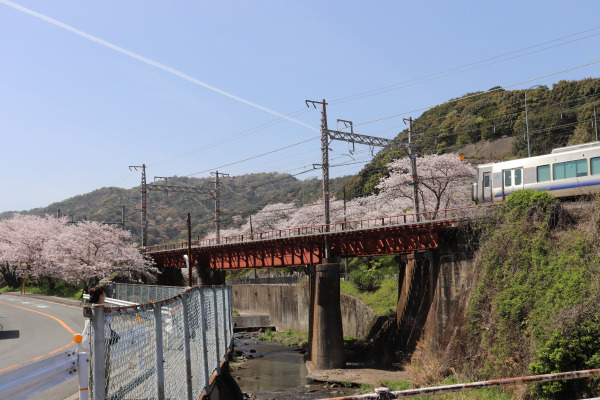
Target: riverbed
276	371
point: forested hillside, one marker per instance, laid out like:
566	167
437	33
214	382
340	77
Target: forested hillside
241	196
558	116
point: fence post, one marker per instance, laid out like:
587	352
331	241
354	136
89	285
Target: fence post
82	372
225	319
204	348
230	314
160	374
99	360
218	346
186	343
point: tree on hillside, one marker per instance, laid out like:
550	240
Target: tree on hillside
444	181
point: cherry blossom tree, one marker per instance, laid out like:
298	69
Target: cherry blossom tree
90	251
22	239
444	181
83	252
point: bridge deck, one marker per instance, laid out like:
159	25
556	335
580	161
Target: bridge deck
304	245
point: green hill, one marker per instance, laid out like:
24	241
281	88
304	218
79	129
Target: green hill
241	196
563	115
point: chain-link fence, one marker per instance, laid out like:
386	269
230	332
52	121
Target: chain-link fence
142	293
165	349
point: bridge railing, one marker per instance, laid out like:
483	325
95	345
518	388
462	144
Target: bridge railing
395	220
171	348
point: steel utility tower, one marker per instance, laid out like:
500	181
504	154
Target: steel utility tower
327	135
143	191
325	167
218	203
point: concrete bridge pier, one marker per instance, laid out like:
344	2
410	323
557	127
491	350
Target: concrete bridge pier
416	289
326	340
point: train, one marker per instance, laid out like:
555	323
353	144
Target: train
565	172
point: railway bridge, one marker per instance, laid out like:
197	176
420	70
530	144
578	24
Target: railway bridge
405	234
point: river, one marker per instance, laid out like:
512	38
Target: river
276	371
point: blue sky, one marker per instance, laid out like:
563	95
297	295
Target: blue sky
188	87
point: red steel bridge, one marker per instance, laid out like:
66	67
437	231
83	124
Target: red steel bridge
399	234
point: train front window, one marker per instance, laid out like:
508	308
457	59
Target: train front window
543	173
517	177
570	169
507	178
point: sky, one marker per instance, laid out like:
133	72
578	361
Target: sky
88	89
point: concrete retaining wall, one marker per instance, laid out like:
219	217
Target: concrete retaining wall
287	307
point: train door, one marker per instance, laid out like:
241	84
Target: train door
487	187
512	179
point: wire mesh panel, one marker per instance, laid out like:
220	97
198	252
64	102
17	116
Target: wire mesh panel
130	366
220	319
130	356
174	349
195	315
209	318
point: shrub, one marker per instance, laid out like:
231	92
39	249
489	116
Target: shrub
366	280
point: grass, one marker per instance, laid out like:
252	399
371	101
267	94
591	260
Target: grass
60	290
289	338
381	301
481	394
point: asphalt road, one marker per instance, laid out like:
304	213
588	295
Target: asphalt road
33	327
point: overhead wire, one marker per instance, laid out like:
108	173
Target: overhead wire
434	75
478	94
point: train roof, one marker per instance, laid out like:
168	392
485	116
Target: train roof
556	151
575	147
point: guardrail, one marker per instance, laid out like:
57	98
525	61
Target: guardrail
395	220
384	393
141	293
26	381
167	349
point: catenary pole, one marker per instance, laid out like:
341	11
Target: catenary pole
413	166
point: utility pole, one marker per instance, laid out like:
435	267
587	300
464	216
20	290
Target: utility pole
325	167
144	192
189	253
596	123
218	203
413	164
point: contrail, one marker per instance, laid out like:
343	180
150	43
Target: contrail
150	62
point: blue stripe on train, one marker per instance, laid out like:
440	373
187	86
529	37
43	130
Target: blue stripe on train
560	187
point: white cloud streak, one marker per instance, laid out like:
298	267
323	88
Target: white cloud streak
150	62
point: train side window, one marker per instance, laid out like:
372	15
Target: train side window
486	178
517	177
595	166
543	173
569	169
507	178
581	167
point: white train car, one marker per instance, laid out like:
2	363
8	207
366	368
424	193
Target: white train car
567	171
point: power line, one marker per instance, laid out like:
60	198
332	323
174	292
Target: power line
255	157
434	75
478	94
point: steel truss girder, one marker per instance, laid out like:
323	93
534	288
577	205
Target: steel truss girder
372	141
303	250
